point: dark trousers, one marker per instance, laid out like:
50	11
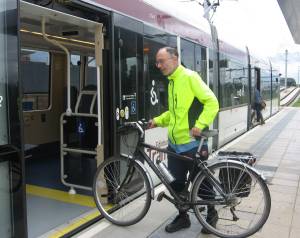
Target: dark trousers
259	116
180	168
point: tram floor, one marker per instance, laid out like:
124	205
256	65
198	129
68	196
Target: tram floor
46	214
49	205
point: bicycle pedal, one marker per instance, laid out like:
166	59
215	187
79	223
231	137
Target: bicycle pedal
160	196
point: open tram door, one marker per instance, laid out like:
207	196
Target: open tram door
12	195
61	71
257	78
255	84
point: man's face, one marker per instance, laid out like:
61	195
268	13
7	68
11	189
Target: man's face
165	62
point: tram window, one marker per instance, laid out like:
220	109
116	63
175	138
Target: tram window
3	105
160	37
155	95
265	84
91	72
226	87
201	62
75	71
35	76
212	68
275	84
128	58
187	54
233	82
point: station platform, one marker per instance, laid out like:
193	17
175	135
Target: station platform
277	147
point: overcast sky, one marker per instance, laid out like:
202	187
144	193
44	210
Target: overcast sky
267	34
259	24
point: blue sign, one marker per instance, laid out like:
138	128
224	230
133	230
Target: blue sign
133	107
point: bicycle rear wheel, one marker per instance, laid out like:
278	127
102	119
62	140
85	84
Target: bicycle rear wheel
122	191
245	210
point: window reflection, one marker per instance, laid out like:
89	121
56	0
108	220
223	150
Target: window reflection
201	62
156	85
233	82
75	71
3	96
35	77
127	72
265	85
154	92
187	54
91	72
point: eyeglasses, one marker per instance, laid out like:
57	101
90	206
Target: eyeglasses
161	61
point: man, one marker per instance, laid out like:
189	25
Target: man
258	106
187	94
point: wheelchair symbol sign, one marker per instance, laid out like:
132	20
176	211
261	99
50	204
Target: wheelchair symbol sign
81	128
133	107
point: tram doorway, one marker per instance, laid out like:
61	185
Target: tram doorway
61	71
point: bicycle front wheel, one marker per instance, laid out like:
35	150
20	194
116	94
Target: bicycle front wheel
122	191
246	206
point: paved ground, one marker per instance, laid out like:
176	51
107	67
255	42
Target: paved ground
277	144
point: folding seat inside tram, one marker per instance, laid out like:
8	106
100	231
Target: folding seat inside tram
61	72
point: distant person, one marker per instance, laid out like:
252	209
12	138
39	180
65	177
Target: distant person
184	119
259	104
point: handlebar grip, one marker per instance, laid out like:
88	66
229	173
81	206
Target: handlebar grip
198	137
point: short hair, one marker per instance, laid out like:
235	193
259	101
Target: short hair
172	51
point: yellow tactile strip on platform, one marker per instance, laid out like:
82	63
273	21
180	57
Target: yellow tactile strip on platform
62	196
72	225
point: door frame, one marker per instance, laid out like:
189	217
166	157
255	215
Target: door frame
13	150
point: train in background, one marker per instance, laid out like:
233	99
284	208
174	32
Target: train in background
88	66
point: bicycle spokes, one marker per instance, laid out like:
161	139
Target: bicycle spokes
243	210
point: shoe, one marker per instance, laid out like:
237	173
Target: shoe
182	221
212	219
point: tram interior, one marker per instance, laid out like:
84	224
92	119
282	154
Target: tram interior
43	73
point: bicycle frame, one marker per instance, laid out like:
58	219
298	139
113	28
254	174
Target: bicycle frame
177	199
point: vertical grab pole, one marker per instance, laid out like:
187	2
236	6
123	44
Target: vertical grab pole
54	42
98	55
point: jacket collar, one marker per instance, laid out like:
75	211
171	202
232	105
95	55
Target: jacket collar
176	73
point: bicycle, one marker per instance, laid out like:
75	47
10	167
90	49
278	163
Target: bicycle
123	188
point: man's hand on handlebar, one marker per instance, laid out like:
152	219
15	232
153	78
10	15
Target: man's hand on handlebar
151	124
195	132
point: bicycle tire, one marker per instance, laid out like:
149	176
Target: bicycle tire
245	212
122	193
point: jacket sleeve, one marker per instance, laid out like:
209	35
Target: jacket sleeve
163	119
210	103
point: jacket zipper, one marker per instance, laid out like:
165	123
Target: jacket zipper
174	110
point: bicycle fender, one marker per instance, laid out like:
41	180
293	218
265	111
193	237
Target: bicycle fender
242	164
148	176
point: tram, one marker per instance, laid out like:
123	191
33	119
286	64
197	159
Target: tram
72	72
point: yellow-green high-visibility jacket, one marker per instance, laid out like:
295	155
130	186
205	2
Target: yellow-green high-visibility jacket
191	104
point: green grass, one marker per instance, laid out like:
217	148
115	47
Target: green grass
297	103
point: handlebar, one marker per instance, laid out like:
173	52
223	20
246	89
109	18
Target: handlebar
138	125
141	125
